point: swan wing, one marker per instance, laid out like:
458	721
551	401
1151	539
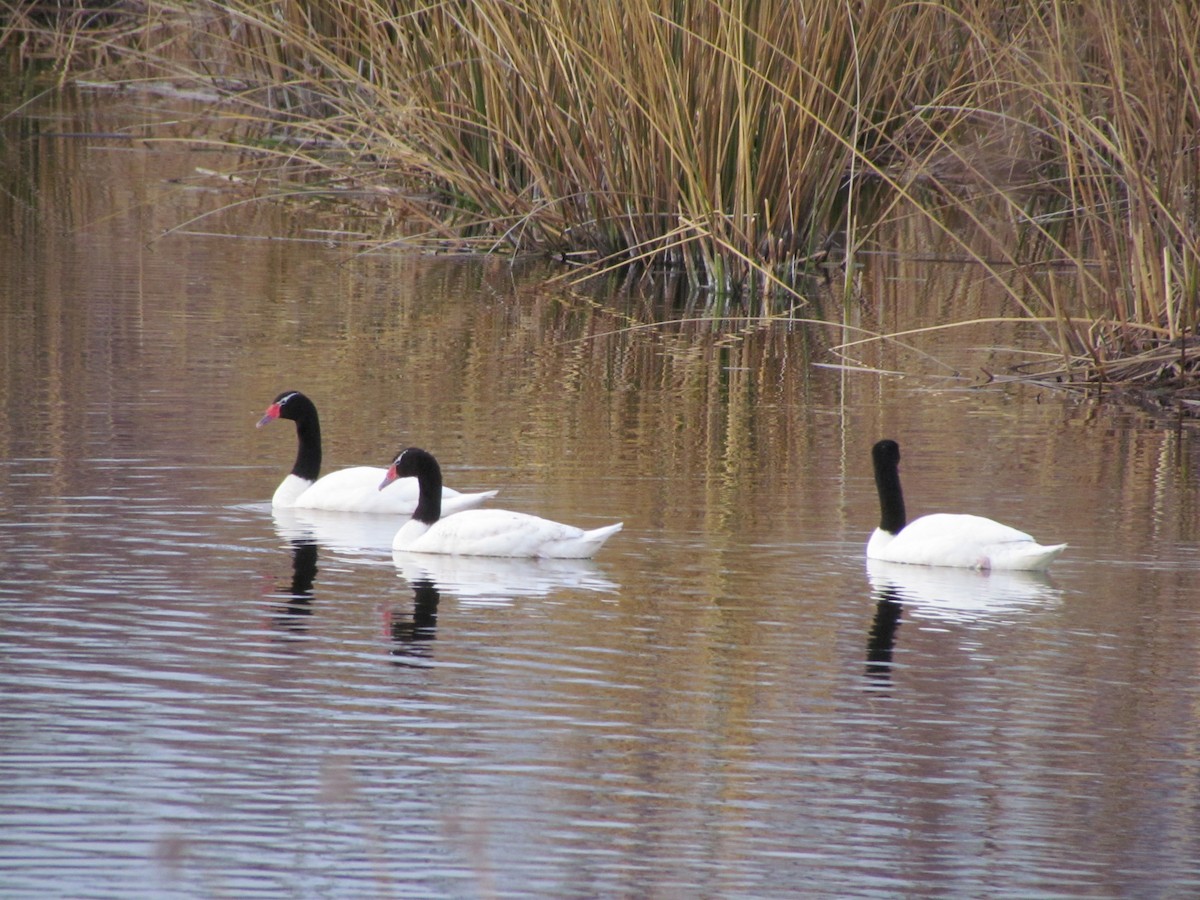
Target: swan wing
963	541
964	528
356	489
498	532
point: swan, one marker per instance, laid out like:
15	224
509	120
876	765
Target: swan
943	539
481	532
347	490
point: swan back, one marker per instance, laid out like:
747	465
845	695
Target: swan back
501	532
356	489
963	541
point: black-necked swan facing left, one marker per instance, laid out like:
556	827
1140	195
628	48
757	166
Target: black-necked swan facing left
355	489
482	532
945	539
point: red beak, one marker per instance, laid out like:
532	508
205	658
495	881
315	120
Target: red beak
389	477
271	415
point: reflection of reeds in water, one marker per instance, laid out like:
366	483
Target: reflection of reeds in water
727	141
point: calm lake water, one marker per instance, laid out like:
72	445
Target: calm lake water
201	699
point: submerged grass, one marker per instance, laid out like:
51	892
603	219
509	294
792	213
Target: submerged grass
1056	144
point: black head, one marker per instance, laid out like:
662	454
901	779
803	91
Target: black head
886	453
414	462
290	405
420	464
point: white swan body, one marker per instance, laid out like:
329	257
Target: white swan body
355	489
501	532
962	541
483	532
944	539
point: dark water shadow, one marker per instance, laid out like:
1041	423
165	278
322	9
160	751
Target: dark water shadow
296	592
881	639
413	635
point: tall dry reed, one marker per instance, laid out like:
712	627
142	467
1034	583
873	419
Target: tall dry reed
1055	143
1076	127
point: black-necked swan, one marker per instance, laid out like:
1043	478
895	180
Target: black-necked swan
347	490
944	539
482	532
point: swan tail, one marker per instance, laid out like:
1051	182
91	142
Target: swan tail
1026	558
459	502
582	546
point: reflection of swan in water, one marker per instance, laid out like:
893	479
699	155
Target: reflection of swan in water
345	533
960	595
497	580
945	594
412	636
297	594
882	639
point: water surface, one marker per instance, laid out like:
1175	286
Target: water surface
202	698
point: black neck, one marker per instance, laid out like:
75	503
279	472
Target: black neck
429	480
308	450
892	517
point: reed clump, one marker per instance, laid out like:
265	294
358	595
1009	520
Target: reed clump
1056	145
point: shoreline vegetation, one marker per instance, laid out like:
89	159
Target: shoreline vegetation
752	150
